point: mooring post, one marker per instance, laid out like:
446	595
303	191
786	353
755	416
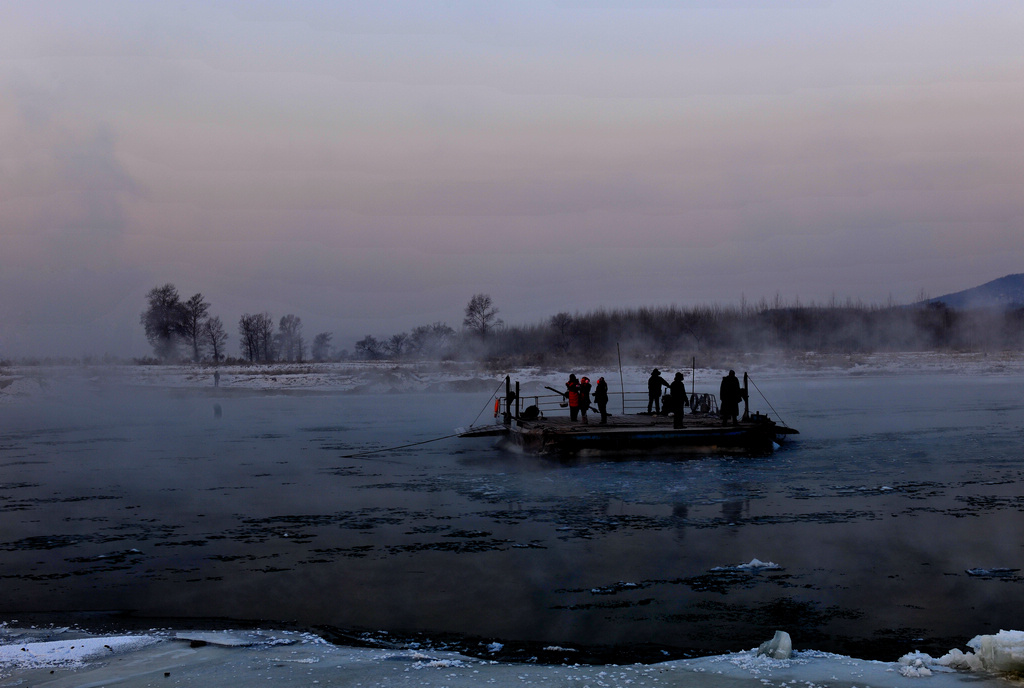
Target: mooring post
746	399
518	410
508	400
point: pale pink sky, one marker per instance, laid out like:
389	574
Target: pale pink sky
370	166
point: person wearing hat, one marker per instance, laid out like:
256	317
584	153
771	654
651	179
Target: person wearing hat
654	384
572	394
730	394
677	390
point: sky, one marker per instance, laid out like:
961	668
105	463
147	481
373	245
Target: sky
371	166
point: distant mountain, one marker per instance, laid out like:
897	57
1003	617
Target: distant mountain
1002	293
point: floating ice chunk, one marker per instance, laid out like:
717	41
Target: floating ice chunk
495	647
752	565
232	638
779	647
992	573
757	564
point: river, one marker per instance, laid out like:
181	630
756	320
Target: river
893	522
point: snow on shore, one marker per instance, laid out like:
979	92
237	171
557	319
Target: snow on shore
22	382
61	657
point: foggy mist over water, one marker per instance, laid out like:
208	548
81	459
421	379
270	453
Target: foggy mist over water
142	500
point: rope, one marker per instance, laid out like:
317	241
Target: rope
766	401
436	439
486	404
402	446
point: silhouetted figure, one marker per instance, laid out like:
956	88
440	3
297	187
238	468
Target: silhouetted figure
572	393
730	395
677	392
216	378
654	384
584	397
601	399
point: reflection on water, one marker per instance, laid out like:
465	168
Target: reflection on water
216	504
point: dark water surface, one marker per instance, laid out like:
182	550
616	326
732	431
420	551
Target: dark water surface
145	502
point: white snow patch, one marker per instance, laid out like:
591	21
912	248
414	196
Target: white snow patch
69	653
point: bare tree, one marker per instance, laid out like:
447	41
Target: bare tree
162	320
215	337
290	345
561	323
265	335
481	315
397	345
250	340
369	348
321	350
431	341
193	315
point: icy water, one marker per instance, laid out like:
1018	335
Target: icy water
896	520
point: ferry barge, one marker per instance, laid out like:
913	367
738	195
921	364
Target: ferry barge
544	427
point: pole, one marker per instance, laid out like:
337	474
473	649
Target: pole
518	410
746	399
622	387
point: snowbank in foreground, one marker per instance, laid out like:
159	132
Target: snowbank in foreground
280	658
1002	653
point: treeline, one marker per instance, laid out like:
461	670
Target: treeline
184	329
672	331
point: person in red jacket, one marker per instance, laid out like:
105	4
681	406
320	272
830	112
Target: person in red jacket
584	397
572	393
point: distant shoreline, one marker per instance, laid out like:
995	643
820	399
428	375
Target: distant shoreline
383	377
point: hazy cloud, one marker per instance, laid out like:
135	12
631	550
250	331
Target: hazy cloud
370	167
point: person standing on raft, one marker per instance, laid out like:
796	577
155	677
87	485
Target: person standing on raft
584	397
677	392
572	393
601	399
654	384
730	395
